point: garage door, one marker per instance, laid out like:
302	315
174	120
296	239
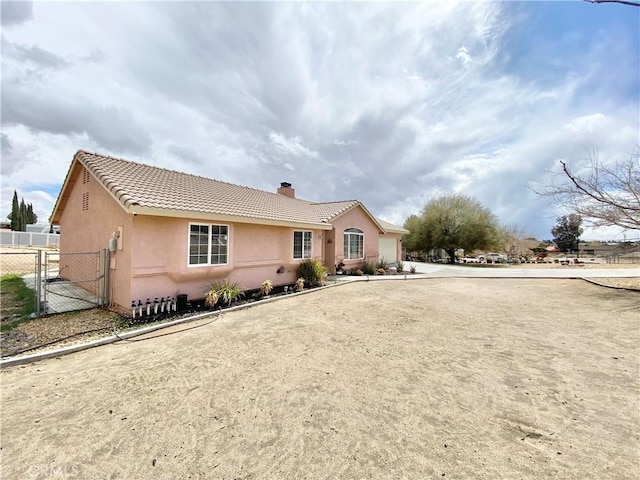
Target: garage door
388	249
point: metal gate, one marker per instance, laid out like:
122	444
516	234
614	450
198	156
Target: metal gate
74	281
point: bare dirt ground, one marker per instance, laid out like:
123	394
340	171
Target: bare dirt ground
20	260
446	378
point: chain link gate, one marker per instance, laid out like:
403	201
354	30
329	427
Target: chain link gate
75	281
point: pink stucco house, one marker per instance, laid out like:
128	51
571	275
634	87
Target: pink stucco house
175	233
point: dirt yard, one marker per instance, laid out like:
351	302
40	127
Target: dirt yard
438	378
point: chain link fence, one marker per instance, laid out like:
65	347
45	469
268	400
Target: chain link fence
74	281
44	282
61	282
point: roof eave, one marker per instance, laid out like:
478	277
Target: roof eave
402	231
219	217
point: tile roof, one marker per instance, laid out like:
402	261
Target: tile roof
144	189
391	228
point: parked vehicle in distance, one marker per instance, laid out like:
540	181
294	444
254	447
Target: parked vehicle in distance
469	260
493	258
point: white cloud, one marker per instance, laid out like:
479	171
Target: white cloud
463	56
290	146
587	125
391	104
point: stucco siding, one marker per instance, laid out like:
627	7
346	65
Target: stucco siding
356	218
87	224
255	253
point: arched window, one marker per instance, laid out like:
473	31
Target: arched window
353	244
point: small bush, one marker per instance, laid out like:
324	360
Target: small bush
357	272
227	291
382	264
266	287
399	267
412	269
313	272
299	286
380	271
369	267
211	298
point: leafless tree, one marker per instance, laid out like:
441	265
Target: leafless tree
608	195
517	243
633	4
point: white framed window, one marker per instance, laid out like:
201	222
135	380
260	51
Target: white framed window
353	244
302	245
208	244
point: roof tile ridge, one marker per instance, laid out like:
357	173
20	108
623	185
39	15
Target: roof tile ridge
190	175
336	201
120	159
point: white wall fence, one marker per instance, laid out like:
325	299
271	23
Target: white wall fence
28	239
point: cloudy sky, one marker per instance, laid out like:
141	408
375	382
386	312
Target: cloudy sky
389	103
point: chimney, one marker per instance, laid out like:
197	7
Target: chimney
286	190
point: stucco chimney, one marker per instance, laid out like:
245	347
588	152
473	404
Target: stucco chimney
286	190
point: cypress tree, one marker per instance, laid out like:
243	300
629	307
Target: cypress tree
21	214
15	210
22	217
31	217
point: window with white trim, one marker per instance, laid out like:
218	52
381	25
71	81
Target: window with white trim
208	244
302	245
353	244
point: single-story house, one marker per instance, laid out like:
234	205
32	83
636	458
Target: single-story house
602	249
173	233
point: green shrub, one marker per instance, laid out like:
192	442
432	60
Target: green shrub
226	291
412	269
399	267
382	264
312	271
368	267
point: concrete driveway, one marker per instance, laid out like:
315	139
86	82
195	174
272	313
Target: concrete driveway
513	271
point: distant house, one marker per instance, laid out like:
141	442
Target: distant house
174	233
602	249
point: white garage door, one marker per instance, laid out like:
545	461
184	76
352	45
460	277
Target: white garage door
388	249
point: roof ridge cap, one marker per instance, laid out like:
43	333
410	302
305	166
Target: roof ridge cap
190	175
335	201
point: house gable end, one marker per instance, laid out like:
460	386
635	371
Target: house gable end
77	169
357	204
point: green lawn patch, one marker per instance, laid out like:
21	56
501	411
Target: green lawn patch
17	301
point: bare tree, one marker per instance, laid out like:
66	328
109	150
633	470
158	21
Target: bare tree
623	2
608	195
517	243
